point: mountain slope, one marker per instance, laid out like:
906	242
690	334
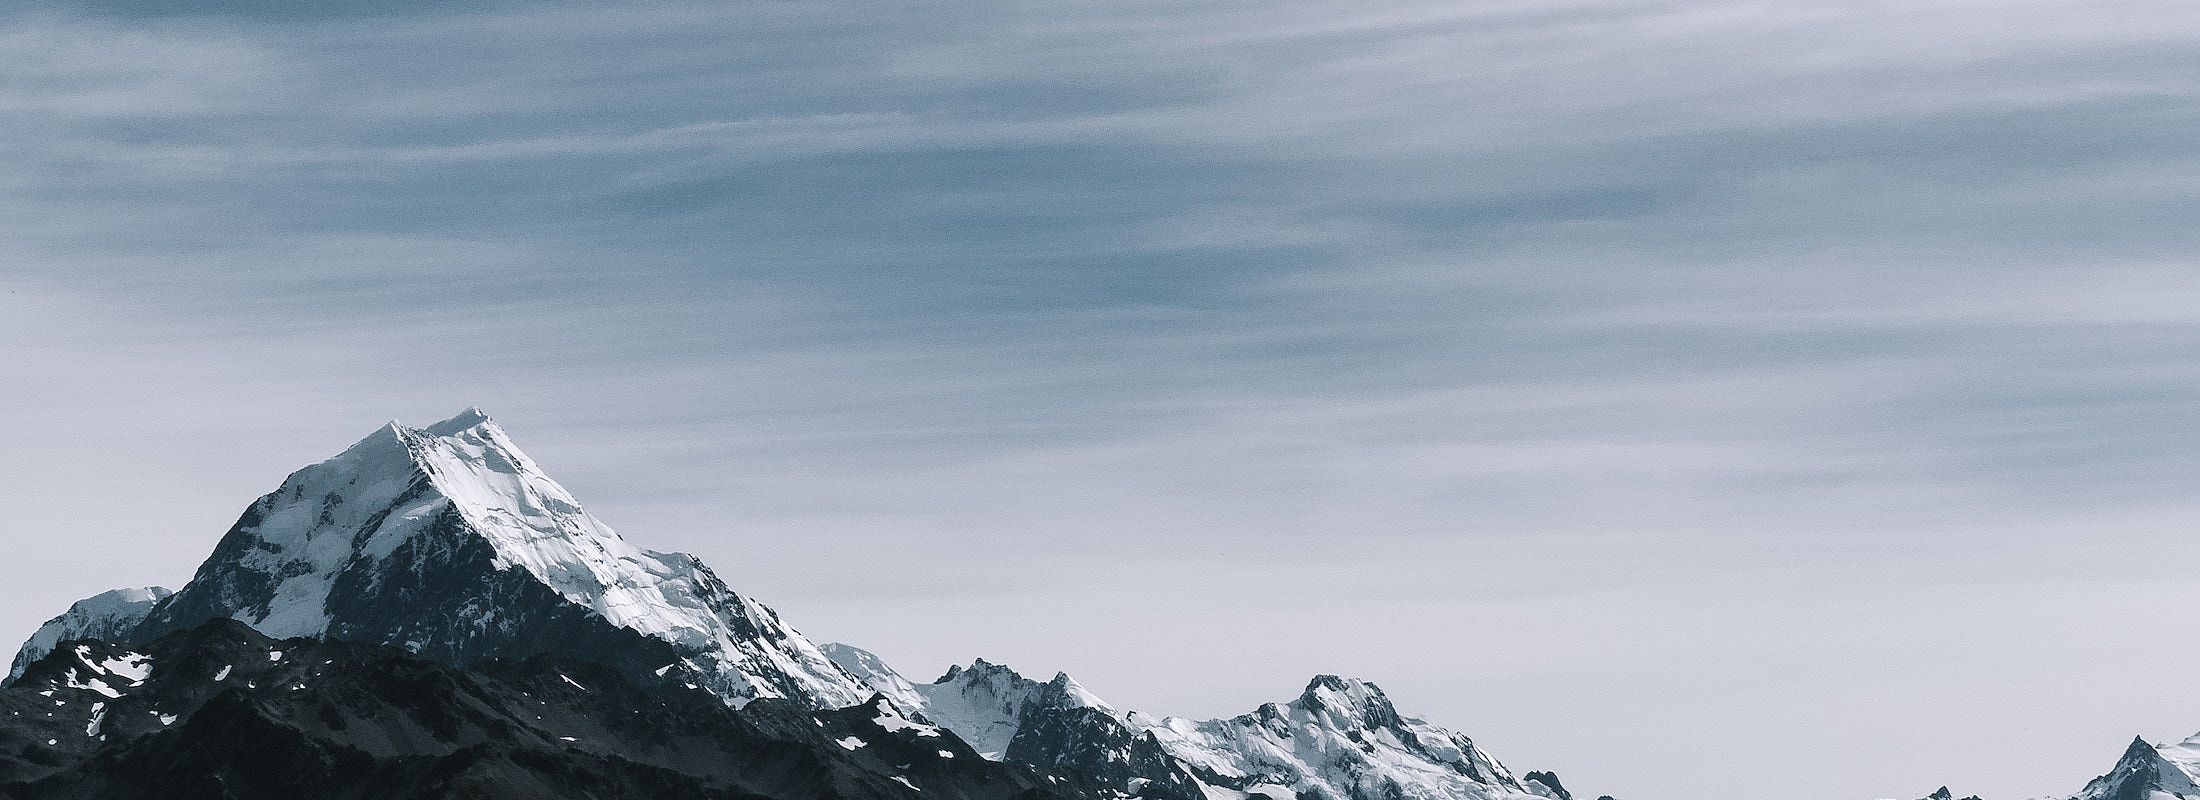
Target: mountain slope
450	542
110	614
222	711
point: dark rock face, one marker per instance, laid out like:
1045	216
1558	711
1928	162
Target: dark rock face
1094	752
220	711
110	616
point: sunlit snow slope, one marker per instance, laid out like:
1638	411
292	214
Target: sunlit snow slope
449	541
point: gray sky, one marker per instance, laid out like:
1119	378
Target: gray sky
1699	399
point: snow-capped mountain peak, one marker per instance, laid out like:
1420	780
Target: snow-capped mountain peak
450	541
987	704
2150	772
1340	739
107	615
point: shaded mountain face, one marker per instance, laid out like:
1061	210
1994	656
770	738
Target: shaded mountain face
449	542
112	614
222	711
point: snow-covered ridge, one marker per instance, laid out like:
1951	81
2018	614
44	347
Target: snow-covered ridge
107	615
986	704
1341	738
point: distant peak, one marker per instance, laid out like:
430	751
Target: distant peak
979	669
1347	686
465	420
1348	699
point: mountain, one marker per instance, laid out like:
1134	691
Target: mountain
1340	740
2149	772
447	544
990	704
1055	727
450	542
223	711
111	614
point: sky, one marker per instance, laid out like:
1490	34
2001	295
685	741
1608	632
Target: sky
1702	400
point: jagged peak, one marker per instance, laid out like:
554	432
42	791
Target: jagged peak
983	677
979	670
1348	700
1064	691
1556	788
2139	748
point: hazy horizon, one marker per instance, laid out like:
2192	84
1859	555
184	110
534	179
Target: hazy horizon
1694	399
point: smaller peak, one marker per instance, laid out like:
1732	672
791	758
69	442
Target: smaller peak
979	669
1348	699
1347	686
472	417
1064	691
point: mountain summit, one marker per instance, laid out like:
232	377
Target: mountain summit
2150	772
450	542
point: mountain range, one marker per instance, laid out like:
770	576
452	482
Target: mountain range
428	614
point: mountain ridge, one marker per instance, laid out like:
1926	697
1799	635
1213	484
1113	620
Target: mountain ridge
448	543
